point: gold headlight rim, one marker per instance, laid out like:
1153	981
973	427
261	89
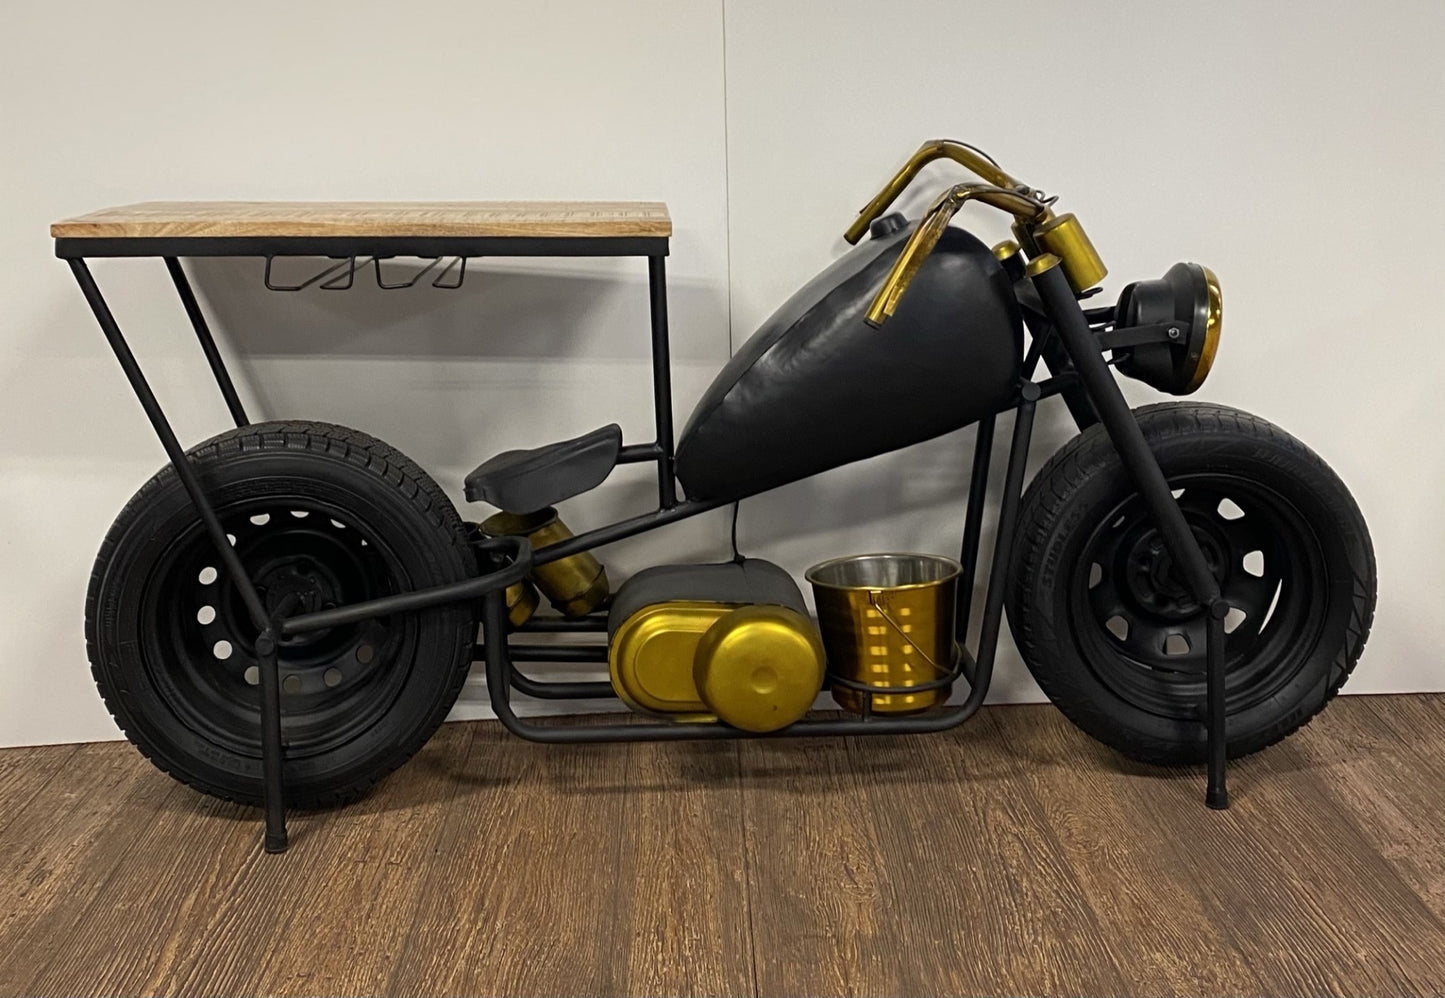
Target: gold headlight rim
1213	323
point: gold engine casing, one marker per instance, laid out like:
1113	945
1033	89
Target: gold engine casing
759	667
575	586
739	648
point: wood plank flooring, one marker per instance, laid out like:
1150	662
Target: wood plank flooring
1012	856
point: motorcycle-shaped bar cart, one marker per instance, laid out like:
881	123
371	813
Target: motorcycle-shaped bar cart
292	607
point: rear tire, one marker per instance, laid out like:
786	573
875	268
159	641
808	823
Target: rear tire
325	514
1110	630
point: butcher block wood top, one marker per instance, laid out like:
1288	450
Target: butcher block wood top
205	219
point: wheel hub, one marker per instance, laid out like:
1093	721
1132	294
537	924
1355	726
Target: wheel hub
302	559
300	586
1153	581
1146	635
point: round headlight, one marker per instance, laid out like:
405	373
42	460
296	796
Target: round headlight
1187	296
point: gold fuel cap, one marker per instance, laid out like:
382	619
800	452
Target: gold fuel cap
759	668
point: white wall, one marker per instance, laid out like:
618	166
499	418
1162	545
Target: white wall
1296	149
113	103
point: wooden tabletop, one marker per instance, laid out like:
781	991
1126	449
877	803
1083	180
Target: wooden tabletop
202	219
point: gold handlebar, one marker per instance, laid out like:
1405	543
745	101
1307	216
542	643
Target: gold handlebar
969	157
930	229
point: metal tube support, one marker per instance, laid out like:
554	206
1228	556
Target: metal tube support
1123	429
661	381
501	678
1216	794
208	342
229	559
593	624
973	524
589	654
562	691
1008	518
517	548
273	786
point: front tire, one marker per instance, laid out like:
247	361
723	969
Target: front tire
1109	628
321	516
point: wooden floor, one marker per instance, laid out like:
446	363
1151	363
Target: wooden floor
1011	856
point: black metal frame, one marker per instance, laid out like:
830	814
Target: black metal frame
1062	337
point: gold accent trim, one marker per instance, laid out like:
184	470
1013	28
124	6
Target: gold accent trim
1064	236
930	229
650	655
1212	327
575	585
970	159
759	668
1041	263
1006	250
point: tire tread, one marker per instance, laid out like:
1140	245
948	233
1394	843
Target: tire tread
356	447
1055	485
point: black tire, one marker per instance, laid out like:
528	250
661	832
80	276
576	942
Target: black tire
322	511
1107	626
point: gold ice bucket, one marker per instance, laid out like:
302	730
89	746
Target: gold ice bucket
887	622
575	585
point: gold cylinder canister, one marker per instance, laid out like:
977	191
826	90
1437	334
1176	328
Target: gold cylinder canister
522	601
575	585
1064	236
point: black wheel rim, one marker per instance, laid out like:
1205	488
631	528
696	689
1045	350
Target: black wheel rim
199	640
1144	636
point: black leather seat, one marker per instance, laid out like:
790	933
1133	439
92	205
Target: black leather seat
524	481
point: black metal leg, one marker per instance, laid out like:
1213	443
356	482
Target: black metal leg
265	642
1108	401
1008	516
208	342
187	475
973	525
1216	794
271	748
661	381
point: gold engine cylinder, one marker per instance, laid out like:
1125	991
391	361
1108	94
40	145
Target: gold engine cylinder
522	600
575	585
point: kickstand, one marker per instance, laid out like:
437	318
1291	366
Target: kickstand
1216	795
271	751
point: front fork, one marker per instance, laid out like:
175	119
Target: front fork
1063	310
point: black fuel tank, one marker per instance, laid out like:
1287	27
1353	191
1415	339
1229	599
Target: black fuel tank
816	387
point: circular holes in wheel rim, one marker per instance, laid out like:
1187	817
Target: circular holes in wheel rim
310	556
